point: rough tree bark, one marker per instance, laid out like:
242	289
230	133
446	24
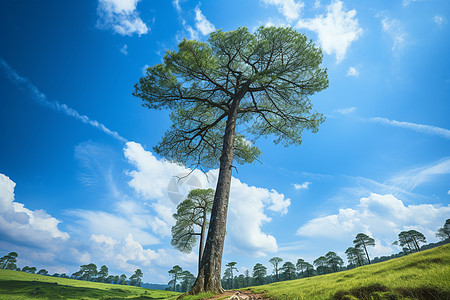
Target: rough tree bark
208	278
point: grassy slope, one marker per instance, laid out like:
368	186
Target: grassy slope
423	275
20	285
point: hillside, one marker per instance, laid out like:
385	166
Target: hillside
423	275
21	285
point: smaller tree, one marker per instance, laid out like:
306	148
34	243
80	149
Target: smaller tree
9	261
259	273
190	213
247	278
309	269
123	279
231	266
288	271
301	265
275	261
135	279
362	240
321	264
444	232
334	261
187	280
103	273
417	237
42	272
116	279
355	256
411	240
175	272
25	269
32	270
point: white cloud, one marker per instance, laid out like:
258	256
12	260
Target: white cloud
381	216
290	9
124	50
42	99
415	177
394	28
152	176
303	186
115	226
155	180
346	110
201	23
408	2
352	71
246	217
336	31
427	129
21	224
176	4
439	20
121	16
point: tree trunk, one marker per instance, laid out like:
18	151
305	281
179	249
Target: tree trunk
202	237
367	254
208	278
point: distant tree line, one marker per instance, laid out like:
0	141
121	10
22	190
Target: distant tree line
357	255
87	272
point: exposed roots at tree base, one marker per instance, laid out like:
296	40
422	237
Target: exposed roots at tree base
233	295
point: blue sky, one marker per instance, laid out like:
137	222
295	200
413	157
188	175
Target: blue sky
79	182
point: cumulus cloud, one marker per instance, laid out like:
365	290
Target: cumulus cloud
394	28
352	71
427	129
202	24
115	226
381	216
121	16
164	184
303	186
290	9
336	31
18	223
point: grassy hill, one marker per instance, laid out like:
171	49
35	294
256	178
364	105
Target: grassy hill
423	275
20	285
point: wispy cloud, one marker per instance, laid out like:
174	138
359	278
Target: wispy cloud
394	28
121	16
124	49
346	110
336	31
201	23
439	20
427	129
290	9
303	186
411	179
42	99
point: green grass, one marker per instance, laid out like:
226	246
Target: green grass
20	285
423	275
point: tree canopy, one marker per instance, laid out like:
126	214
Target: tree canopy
362	240
223	95
190	213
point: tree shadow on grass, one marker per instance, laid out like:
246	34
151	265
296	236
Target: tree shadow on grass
379	291
48	290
